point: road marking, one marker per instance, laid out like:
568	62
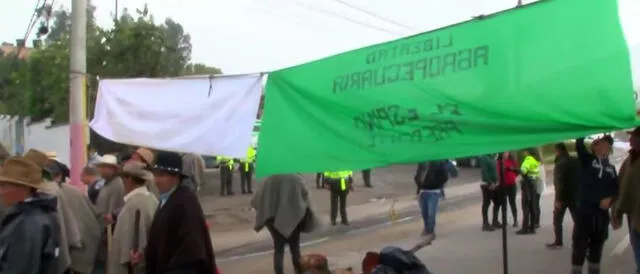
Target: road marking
255	254
621	247
380	225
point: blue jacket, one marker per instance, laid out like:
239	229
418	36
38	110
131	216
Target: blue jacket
598	177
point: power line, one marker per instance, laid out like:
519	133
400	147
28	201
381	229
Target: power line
376	15
344	18
32	23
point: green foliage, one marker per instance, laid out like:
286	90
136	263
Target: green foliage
134	47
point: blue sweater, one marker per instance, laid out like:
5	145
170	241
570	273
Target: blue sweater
598	177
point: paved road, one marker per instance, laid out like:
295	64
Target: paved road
231	219
461	247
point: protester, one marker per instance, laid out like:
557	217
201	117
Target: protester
28	237
340	183
134	221
181	241
82	256
598	187
193	167
90	177
68	232
94	157
565	180
509	183
145	156
489	187
282	206
110	197
429	188
109	201
530	172
629	196
540	187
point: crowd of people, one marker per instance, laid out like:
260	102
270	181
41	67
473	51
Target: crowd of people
140	214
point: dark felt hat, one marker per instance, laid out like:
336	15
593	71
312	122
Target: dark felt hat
170	162
635	131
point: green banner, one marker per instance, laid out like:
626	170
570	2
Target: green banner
540	73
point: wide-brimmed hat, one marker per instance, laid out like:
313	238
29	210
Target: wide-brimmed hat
108	160
170	162
20	171
137	169
146	154
635	131
39	158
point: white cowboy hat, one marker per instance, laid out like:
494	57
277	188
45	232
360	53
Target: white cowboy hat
108	160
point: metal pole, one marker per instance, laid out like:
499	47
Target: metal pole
503	197
77	92
116	13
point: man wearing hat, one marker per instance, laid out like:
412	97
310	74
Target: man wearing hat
145	156
629	196
82	256
28	237
181	241
69	233
597	189
134	221
110	199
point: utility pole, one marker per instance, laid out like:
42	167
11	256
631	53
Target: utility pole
77	92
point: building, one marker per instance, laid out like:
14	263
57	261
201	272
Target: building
20	48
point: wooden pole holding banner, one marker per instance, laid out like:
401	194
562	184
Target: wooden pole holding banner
503	200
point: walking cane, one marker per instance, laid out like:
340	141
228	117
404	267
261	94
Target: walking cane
136	240
109	238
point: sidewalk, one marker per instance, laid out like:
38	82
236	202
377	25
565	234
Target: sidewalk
231	218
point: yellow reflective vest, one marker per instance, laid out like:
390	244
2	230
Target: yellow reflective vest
251	157
339	175
228	161
530	167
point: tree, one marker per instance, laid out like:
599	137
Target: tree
134	47
200	69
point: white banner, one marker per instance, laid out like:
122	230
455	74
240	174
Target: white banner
202	115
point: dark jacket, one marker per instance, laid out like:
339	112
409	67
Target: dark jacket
598	178
566	178
29	237
432	175
488	169
180	238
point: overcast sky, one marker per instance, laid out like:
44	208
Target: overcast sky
243	36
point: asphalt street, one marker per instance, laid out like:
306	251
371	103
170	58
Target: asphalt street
461	247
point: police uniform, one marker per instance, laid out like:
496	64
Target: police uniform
339	182
530	170
226	175
246	170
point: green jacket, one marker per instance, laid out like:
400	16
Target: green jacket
488	169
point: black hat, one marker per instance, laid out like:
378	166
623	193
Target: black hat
635	131
170	162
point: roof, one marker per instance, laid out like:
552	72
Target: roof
8	49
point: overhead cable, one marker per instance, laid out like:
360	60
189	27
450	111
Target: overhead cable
345	18
372	14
